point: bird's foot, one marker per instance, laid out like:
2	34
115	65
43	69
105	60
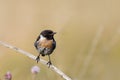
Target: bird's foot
38	59
49	63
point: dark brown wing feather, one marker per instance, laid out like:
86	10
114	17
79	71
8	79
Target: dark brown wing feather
35	44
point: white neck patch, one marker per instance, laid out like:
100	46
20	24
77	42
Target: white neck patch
42	37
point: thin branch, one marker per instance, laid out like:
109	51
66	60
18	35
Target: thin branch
91	52
52	67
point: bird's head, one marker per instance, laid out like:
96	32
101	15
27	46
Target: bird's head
48	34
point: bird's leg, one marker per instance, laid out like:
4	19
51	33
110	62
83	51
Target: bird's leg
49	62
38	58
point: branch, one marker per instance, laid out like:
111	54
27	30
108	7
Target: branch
52	67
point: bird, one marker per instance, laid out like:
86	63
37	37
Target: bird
45	44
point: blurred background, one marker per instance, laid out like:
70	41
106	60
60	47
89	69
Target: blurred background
88	38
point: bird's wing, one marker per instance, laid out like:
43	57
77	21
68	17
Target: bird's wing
35	43
54	44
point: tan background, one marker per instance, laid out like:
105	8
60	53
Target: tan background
88	37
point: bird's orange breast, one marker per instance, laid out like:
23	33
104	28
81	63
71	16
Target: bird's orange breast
46	43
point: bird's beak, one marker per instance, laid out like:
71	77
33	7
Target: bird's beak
54	32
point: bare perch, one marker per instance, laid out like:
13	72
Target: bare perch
55	69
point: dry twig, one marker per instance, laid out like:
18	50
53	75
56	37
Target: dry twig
55	69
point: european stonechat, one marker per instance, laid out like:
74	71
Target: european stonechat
45	44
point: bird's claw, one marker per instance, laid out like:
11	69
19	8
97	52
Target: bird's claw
49	63
38	59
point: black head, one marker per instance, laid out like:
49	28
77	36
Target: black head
48	34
